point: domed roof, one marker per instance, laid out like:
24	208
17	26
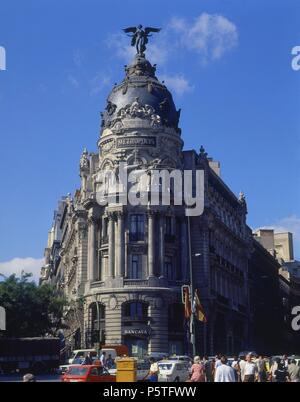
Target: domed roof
142	94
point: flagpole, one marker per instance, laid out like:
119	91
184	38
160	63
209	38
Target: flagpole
192	319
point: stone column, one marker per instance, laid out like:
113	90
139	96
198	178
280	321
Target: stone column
162	245
103	228
158	312
111	246
120	245
92	248
151	244
113	320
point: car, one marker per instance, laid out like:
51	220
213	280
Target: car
157	356
64	367
83	373
294	357
246	352
143	367
183	358
173	371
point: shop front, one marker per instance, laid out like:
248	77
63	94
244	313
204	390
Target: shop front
137	340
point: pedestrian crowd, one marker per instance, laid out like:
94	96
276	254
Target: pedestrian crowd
106	361
244	369
247	368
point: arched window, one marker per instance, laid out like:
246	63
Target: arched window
135	311
97	322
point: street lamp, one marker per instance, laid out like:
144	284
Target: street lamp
192	319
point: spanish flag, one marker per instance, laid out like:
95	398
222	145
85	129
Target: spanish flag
198	309
187	302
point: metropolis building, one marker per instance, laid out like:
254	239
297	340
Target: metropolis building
122	267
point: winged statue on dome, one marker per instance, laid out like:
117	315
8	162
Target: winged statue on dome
139	37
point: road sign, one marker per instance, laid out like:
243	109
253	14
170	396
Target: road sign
2	319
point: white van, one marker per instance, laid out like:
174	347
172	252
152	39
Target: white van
173	371
79	355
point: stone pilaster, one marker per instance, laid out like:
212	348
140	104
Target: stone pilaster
151	244
92	248
162	245
111	245
113	319
159	341
82	249
120	245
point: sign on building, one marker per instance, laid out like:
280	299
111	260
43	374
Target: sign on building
2	319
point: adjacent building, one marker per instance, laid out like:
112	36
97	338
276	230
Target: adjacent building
279	246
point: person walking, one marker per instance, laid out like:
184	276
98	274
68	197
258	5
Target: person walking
250	370
285	361
153	372
224	373
236	367
197	371
103	359
109	362
262	369
87	360
294	371
242	364
281	374
218	361
208	369
273	369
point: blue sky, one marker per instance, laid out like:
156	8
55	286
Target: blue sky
227	62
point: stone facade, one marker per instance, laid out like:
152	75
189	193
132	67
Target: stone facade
122	267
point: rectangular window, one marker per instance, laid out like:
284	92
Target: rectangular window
135	267
137	227
169	226
169	271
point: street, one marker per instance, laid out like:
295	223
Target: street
40	378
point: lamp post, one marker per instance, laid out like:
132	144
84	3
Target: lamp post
192	319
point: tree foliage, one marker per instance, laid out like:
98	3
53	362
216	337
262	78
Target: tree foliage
31	310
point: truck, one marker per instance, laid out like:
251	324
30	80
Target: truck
113	350
36	355
79	355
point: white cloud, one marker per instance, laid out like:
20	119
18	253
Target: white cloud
121	45
177	83
289	224
99	82
211	36
17	265
208	35
73	81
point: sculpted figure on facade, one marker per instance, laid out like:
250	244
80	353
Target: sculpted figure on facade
84	160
